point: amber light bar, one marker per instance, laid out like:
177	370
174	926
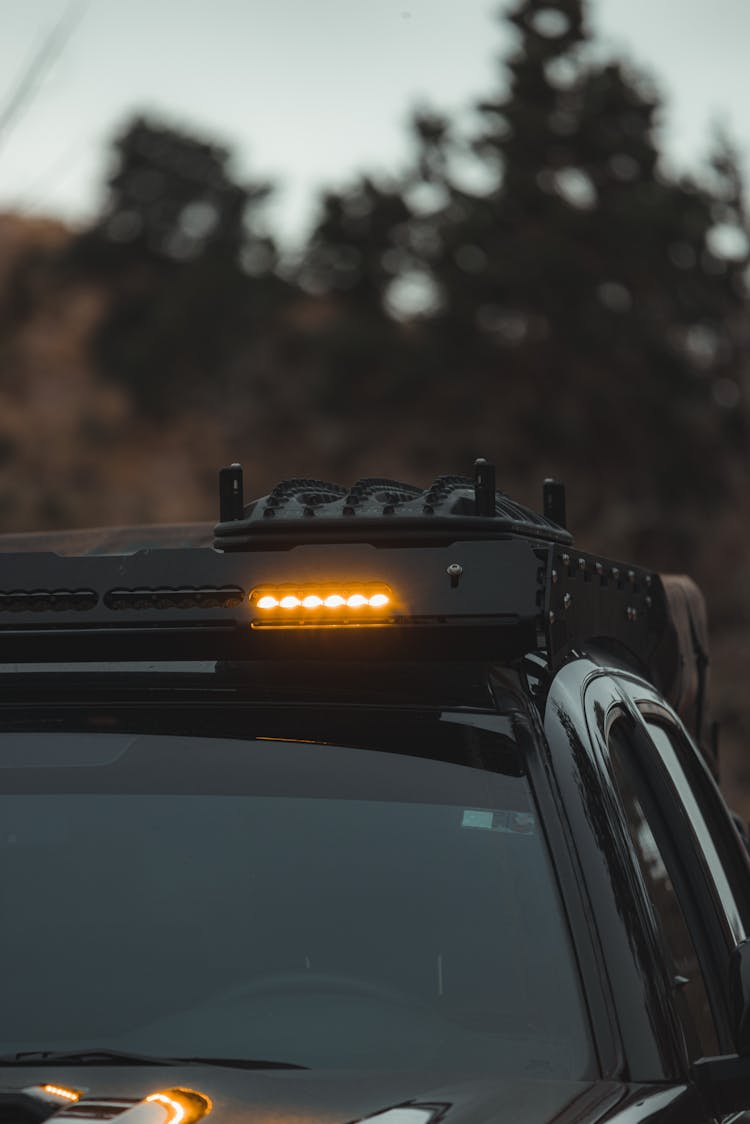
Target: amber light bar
343	605
63	1093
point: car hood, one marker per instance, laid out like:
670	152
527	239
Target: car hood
330	1097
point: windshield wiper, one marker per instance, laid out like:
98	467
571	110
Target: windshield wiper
123	1057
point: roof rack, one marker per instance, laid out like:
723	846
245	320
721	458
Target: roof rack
457	571
378	510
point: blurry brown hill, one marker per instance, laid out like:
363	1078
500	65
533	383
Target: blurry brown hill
73	451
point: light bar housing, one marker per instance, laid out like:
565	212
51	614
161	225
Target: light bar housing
495	599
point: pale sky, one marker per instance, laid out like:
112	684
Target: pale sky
308	92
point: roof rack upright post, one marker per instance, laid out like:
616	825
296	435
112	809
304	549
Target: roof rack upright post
231	493
553	499
484	487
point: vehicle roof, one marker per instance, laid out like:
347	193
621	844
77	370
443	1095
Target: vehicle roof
110	540
469	575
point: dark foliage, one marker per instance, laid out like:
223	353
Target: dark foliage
190	274
583	312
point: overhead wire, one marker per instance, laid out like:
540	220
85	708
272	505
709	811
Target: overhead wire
29	83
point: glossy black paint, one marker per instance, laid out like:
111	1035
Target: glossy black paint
560	724
637	981
579	706
529	736
339	1098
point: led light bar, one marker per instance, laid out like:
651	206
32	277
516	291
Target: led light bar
61	1092
342	605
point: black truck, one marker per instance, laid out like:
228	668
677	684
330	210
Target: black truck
370	803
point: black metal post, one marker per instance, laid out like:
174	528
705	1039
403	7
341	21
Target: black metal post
231	493
484	487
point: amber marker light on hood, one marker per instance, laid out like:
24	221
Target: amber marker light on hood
321	605
71	1095
182	1106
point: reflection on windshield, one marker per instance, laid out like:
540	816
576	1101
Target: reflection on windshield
340	907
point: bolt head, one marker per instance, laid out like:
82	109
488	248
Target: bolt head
454	570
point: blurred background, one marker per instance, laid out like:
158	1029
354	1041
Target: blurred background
384	237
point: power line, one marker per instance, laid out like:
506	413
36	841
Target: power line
49	50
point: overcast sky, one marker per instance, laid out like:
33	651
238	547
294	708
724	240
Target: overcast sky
307	92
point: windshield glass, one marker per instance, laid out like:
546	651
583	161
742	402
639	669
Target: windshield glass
322	904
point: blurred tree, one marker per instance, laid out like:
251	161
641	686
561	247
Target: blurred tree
191	272
359	244
584	307
173	196
356	256
599	296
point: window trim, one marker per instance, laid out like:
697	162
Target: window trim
681	747
687	869
647	1042
575	910
648	797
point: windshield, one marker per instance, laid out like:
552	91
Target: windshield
327	905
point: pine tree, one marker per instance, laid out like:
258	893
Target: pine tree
359	244
191	272
589	287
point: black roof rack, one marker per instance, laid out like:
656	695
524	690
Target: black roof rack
474	576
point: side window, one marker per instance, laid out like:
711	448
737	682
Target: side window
716	837
691	996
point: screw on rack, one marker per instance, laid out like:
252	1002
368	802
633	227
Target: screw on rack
454	572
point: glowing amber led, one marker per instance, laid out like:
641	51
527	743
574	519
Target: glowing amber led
344	603
59	1091
183	1106
174	1108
